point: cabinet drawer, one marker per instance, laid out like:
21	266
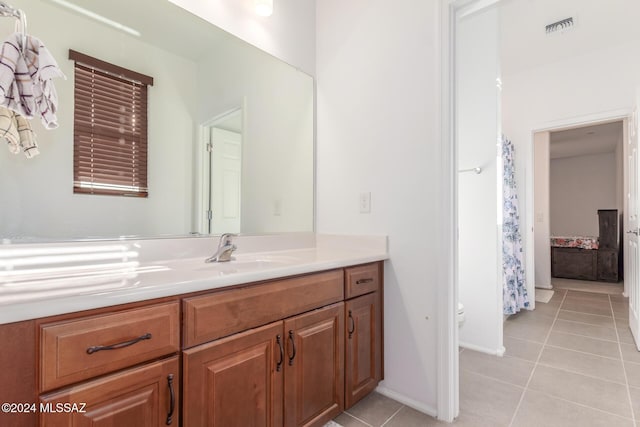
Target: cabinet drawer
362	279
75	350
146	396
223	313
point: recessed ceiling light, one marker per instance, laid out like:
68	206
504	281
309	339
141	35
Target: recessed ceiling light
264	7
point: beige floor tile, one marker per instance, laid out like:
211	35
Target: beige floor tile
558	296
531	317
408	417
624	332
473	420
346	420
589	307
591	319
583	363
541	410
588	286
531	332
634	392
549	310
375	409
522	349
630	353
592	392
633	375
587	296
507	369
482	398
619	303
621	316
619	298
591	331
584	344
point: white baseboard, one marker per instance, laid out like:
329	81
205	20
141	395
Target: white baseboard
494	352
418	406
544	287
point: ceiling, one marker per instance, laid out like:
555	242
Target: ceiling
596	139
599	23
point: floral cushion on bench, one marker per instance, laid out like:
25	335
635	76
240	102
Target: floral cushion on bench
582	242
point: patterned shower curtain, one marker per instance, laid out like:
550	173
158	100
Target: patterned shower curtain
514	292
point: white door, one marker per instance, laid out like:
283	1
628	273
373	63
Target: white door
631	273
226	181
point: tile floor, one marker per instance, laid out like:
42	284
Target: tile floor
571	362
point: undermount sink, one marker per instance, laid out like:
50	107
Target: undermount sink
240	264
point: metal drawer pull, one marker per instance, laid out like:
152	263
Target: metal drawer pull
352	327
279	365
96	348
172	407
361	281
293	344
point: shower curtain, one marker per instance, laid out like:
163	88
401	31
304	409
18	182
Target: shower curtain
514	292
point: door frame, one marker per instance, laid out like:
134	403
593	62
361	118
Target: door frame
447	349
201	185
554	126
448	390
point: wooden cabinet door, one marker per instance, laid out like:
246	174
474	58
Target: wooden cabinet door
314	366
146	396
363	368
236	381
608	265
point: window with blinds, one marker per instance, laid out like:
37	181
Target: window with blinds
110	128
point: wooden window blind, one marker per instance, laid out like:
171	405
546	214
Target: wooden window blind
110	128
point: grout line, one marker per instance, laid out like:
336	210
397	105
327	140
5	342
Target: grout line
394	414
590	314
562	399
520	338
586	352
356	418
582	312
496	379
546	365
624	370
533	371
585	336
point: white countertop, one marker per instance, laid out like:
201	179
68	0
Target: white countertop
49	279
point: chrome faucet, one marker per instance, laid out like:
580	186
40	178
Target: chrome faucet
225	249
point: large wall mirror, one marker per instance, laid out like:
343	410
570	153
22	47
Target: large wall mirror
230	137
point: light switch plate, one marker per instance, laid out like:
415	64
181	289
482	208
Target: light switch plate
365	202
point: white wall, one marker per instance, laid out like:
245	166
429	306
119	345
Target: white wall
36	195
542	227
597	84
579	186
479	257
288	34
278	115
378	123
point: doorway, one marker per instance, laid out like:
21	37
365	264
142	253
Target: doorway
579	176
220	203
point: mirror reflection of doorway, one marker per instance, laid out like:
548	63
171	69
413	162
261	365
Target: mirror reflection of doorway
224	147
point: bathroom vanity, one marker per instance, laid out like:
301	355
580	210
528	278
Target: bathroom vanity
291	350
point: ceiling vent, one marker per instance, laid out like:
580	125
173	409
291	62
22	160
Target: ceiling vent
560	26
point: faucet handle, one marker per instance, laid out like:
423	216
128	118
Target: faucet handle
225	238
